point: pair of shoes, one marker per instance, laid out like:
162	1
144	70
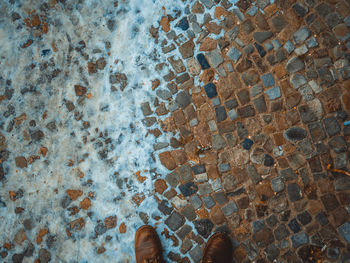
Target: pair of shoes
148	248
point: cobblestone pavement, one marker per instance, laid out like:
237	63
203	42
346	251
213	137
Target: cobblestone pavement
248	112
260	96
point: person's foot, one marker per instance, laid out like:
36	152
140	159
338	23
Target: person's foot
218	249
148	248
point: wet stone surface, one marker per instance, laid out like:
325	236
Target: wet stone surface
233	117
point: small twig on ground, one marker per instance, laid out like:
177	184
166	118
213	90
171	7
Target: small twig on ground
337	170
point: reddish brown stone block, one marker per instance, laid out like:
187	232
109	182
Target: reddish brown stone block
74	194
208	44
21	162
202	134
278	139
217	216
110	222
160	186
179	117
167	160
179	156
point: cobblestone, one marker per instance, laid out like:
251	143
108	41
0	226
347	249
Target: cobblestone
300	9
294	65
294	192
299	239
331	126
229	208
203	227
196	201
262	36
214	58
344	231
330	202
301	35
294	225
188	189
234	54
175	221
281	232
277	184
203	61
210	90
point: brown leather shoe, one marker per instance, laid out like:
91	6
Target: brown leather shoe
218	249
148	248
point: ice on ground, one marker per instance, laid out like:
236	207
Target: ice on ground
97	147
